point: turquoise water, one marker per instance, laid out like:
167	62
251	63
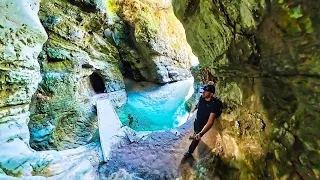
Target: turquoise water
158	107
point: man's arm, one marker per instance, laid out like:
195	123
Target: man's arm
206	127
193	109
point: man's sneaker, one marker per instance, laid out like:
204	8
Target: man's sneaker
187	155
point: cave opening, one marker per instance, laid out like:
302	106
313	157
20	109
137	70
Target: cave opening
127	70
97	83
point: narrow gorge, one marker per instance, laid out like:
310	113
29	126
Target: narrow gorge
62	60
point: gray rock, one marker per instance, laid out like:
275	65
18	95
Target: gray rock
123	174
76	34
107	33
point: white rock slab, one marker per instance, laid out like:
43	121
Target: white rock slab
109	126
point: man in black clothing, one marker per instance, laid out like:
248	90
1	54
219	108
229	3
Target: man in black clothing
209	109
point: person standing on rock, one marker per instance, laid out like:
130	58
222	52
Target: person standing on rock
209	109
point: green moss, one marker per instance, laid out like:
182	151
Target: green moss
294	21
148	25
111	7
288	69
15	173
62	66
56	54
191	8
295	12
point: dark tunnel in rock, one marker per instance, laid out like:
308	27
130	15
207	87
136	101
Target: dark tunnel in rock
97	83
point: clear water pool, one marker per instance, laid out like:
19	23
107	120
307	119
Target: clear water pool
153	107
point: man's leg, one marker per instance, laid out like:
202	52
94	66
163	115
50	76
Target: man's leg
194	131
193	145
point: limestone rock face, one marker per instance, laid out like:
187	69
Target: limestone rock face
21	40
77	63
88	51
151	40
264	57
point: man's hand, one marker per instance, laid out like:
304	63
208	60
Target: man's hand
198	136
193	109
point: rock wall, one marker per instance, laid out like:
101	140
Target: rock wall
20	44
89	51
77	63
151	40
264	56
21	40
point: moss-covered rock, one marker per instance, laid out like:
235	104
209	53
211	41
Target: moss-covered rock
88	51
76	64
151	40
263	55
91	5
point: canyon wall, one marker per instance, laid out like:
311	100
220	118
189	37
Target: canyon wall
264	57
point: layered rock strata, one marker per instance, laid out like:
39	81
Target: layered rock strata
21	40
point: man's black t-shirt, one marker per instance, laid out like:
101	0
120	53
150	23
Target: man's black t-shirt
204	110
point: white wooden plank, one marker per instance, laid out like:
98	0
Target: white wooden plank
109	126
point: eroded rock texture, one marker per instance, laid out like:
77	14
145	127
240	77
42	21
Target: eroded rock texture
90	49
265	57
21	40
76	64
151	41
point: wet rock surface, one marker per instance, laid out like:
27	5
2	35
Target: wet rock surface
263	56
